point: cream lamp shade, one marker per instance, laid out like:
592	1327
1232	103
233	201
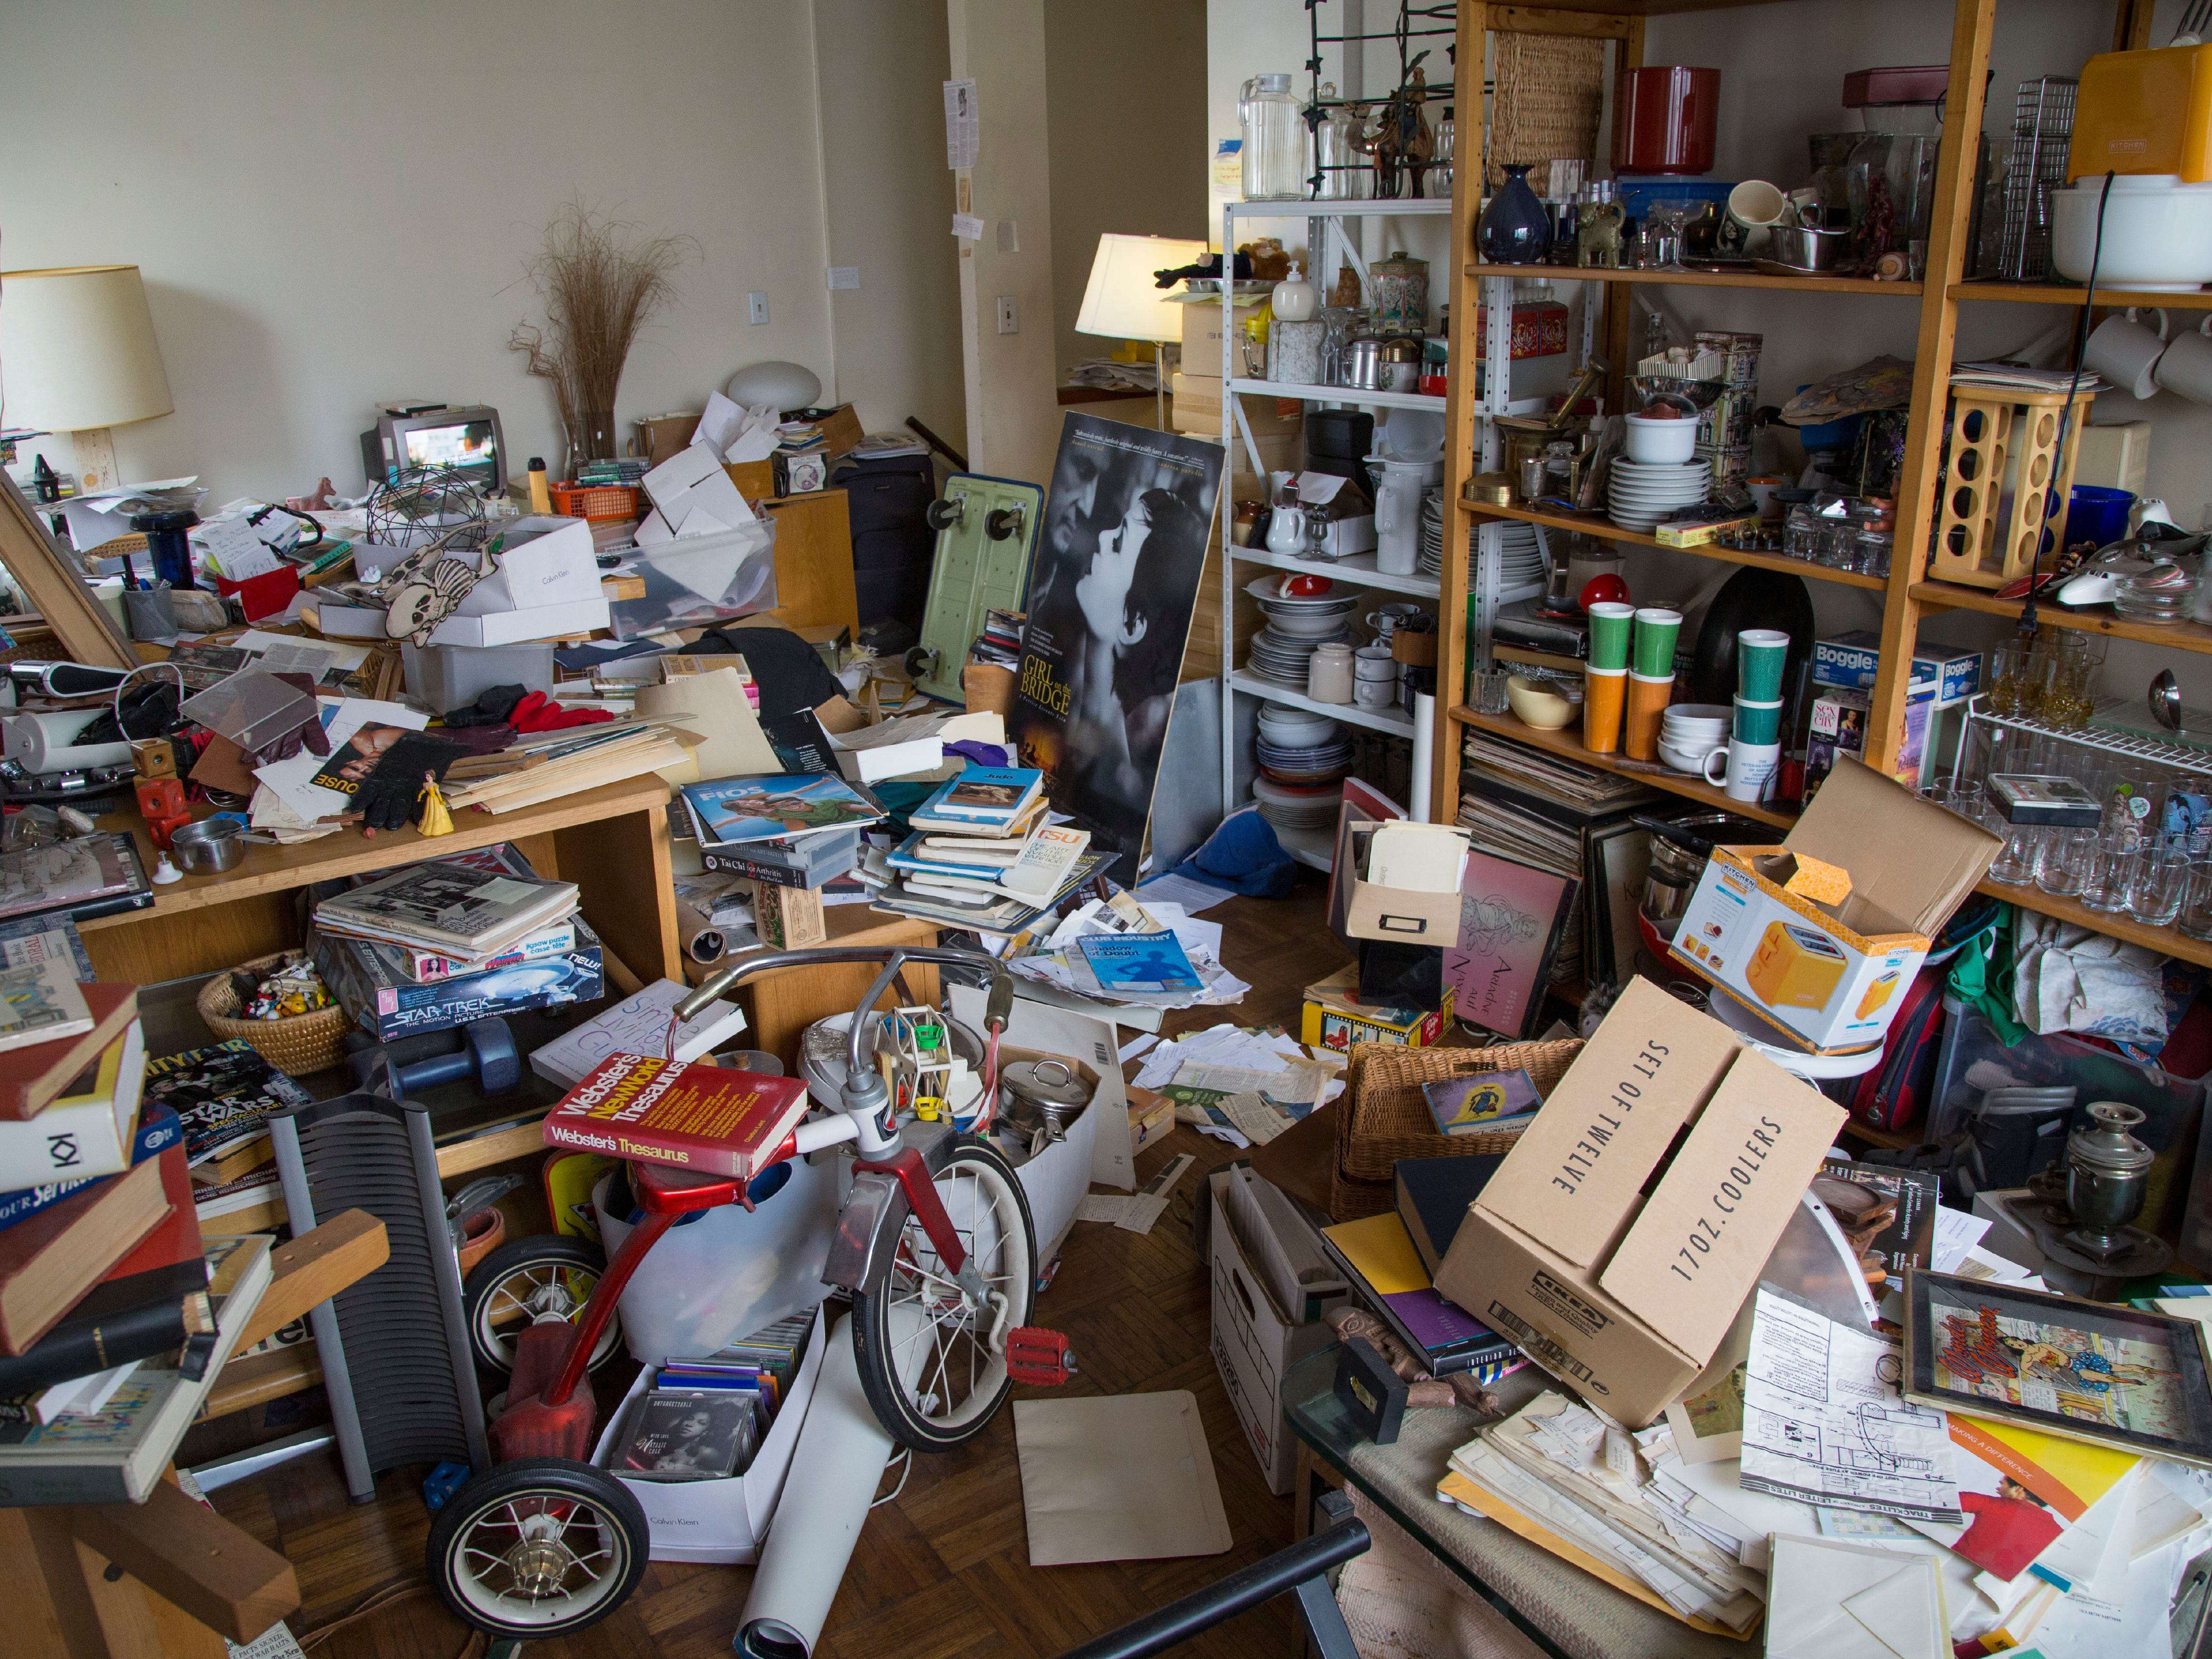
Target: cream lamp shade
1122	301
77	349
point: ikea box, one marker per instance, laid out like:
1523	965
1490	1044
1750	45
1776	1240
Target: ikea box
1201	336
1256	1344
1402	916
718	1520
1335	1018
542	562
1941	674
1625	1296
1827	974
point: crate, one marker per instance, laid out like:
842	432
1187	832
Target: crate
1990	522
596	501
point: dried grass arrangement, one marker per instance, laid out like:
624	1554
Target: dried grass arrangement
600	284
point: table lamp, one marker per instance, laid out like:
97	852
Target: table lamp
77	354
1124	301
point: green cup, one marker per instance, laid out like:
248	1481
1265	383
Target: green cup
1609	624
1759	655
1657	631
1758	722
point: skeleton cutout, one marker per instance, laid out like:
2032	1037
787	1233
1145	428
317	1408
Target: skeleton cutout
430	584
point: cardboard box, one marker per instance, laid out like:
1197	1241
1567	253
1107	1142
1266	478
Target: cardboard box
1402	916
1828	974
1256	1344
539	622
1152	1117
1623	1296
1335	1018
371	984
1197	399
1941	674
1051	1027
1201	336
542	562
719	1520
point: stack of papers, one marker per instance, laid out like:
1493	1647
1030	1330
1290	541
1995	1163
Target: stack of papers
1095	952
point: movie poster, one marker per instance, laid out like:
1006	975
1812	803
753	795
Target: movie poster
1112	589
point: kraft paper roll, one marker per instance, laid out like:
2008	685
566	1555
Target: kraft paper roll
47	742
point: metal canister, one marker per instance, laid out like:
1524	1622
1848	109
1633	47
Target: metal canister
1360	364
1400	287
1042	1096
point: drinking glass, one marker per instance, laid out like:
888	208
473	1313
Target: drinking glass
2110	873
2158	885
2195	919
1969	801
2064	860
2015	864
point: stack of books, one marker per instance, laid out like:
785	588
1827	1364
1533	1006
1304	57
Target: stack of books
787	828
982	856
999	643
620	470
223	1096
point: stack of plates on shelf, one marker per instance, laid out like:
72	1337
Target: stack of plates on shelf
1688	732
1283	658
2162	593
1640	493
1432	534
1302	750
1289	808
1311	616
1522	554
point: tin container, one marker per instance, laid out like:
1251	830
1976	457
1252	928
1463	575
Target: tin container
1400	287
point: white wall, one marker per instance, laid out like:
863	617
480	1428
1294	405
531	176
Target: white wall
333	204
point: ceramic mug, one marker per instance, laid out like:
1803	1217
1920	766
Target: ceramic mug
2127	353
1753	207
2186	366
1392	618
1747	768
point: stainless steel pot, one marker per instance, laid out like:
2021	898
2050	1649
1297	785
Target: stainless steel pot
1803	248
1041	1097
208	848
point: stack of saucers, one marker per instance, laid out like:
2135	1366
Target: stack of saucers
1302	750
1688	732
1294	808
1640	493
1296	624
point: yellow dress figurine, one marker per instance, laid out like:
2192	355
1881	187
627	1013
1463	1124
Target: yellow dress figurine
436	820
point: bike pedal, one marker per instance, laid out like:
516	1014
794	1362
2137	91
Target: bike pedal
1038	1357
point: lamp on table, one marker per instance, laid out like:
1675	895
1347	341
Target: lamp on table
1123	302
77	354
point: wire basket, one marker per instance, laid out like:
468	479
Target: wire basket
295	1045
1386	1118
596	501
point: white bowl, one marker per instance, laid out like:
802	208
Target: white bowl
2158	233
1305	625
1651	440
1301	731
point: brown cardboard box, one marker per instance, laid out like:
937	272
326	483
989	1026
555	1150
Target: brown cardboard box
1196	407
1201	337
1622	1296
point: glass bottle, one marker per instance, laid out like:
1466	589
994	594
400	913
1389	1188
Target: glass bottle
1275	132
1440	169
1514	229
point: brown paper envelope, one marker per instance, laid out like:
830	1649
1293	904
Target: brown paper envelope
1124	1478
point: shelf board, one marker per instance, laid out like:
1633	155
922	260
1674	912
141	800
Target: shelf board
1358	570
2066	293
2167	941
1340	394
1701	279
1590	524
1570	747
1956	596
1411	206
1393	720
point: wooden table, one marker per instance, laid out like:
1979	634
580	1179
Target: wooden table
611	841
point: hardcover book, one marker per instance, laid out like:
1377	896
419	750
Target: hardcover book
88	1130
733	812
701	1117
33	1076
40	1002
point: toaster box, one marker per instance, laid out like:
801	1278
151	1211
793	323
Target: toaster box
1825	969
1618	1239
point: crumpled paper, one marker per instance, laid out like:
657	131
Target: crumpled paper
2066	978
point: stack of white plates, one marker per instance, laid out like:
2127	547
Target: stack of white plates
1283	659
1523	556
1293	807
1640	493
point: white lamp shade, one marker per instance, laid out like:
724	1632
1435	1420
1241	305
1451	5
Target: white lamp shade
77	349
1122	300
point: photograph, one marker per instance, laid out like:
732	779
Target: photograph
2110	1375
349	763
1113	587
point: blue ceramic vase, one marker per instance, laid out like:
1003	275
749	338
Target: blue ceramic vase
1514	229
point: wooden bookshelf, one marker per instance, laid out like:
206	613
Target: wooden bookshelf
1596	523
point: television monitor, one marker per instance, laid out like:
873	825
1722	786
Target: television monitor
465	438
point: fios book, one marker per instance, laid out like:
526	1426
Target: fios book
701	1117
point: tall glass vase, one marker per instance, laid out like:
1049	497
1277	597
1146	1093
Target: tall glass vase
591	436
1514	229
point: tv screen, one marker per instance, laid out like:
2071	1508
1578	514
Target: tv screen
465	443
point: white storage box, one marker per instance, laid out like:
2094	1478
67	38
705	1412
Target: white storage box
542	562
1254	1346
718	1520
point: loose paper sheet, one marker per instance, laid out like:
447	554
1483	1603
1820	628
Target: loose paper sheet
1135	1212
1124	1478
963	124
1823	1420
735	746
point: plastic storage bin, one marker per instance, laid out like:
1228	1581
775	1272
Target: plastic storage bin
453	675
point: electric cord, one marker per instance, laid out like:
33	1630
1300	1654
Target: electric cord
906	1468
2028	622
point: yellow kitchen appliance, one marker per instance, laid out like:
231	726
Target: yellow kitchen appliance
2144	112
1795	967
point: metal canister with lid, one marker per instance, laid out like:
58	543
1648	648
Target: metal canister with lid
1041	1097
1400	285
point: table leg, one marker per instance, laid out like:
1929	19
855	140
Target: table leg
623	870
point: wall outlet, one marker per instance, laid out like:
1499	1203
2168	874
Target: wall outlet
1008	323
756	307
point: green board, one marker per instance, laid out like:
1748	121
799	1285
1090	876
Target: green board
975	572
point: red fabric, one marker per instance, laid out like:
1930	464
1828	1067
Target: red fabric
539	712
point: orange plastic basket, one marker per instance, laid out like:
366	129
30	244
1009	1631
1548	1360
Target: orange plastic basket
596	500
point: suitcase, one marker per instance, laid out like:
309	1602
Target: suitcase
893	545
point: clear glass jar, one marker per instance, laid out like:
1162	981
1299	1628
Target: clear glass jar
1874	550
1804	533
1274	132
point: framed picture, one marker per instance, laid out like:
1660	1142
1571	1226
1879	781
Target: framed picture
1512	918
1619	856
2086	1371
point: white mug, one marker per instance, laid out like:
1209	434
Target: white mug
2127	353
1375	694
2186	366
1752	206
1747	767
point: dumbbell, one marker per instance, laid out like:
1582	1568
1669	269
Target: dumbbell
486	1050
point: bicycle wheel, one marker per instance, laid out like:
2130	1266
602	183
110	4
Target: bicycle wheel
920	1326
517	1282
537	1547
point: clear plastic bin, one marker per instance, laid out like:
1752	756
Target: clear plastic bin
698	580
251	709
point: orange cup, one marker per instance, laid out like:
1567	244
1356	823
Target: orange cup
1605	693
1648	697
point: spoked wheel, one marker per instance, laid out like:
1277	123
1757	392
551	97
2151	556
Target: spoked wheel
924	1354
519	1284
540	1547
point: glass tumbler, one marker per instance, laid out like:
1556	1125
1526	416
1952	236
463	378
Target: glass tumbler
2158	885
2110	872
2064	860
2015	863
2195	919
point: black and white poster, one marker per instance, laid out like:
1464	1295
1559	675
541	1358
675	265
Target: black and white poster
1112	589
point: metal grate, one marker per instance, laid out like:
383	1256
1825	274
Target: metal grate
2042	130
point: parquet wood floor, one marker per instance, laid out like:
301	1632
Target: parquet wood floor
942	1571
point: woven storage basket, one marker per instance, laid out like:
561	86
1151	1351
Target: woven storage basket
295	1046
1550	88
1387	1119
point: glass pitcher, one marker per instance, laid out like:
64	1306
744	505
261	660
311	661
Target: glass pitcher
1274	140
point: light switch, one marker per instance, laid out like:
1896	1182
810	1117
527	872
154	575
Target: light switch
756	307
1008	323
844	275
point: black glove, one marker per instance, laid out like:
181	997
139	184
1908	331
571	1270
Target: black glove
391	796
492	708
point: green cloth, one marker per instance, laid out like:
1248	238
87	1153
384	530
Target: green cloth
1981	977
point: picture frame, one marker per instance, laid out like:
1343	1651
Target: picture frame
2093	1371
1513	918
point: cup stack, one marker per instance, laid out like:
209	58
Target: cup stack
1755	736
1650	678
1605	680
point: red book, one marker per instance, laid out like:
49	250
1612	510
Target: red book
49	1261
696	1116
35	1076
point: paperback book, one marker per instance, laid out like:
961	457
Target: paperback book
448	905
45	939
40	1002
736	812
223	1096
986	800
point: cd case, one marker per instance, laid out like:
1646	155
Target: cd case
685	1434
2035	797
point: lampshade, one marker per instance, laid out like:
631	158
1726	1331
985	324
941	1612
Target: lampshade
1122	300
77	349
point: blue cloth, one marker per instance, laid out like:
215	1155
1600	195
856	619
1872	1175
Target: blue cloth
1243	855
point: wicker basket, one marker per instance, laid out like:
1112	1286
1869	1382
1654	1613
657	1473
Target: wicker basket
1386	1118
1550	89
295	1046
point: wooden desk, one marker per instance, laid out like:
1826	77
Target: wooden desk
611	841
